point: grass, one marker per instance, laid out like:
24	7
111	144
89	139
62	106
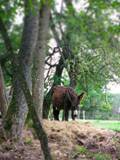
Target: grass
81	150
102	156
107	124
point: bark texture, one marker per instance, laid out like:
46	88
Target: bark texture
3	98
28	43
39	58
18	104
41	134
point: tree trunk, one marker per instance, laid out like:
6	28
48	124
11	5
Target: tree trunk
72	75
3	98
58	72
3	106
36	121
48	97
73	64
10	51
28	42
2	132
39	58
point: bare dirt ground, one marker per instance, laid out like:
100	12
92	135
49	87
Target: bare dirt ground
68	141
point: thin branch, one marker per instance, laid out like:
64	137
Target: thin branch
51	65
55	50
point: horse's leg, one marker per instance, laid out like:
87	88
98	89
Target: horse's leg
56	113
72	115
63	115
66	112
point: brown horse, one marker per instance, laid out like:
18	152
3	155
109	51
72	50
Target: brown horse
65	98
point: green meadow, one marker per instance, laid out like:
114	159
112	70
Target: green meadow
106	124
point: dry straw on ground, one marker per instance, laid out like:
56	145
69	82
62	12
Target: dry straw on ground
63	139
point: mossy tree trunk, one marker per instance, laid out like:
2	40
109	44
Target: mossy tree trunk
3	98
37	125
39	57
3	106
18	109
28	42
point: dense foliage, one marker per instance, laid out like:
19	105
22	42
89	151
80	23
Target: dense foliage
89	33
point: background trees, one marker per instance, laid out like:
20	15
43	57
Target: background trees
90	38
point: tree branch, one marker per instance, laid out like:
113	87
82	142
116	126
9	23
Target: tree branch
51	65
36	121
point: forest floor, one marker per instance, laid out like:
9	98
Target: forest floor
68	141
